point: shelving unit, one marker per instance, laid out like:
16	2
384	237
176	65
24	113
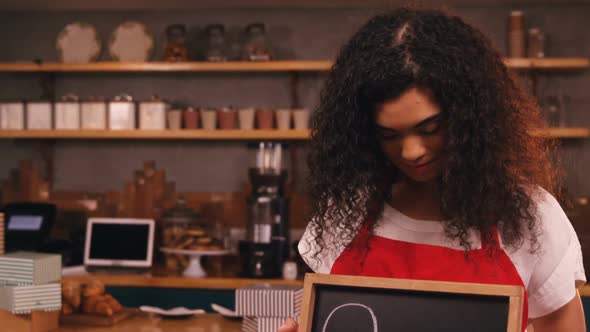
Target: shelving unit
236	66
49	71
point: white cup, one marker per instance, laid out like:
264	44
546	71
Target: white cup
301	118
246	118
209	119
289	270
283	117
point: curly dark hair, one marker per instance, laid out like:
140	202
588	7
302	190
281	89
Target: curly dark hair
493	160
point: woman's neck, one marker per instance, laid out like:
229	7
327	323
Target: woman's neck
417	200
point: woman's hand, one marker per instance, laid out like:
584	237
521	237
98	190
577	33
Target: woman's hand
289	326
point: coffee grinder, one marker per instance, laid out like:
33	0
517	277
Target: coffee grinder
266	247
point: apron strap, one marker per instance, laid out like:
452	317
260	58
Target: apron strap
495	239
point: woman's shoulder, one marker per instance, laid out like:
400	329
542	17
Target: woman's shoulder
549	260
334	238
552	230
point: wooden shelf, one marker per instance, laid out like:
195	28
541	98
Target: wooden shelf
177	282
220	134
185	134
563	132
270	66
547	63
238	66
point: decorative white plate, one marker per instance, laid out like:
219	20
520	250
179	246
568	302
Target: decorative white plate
177	312
78	42
225	312
131	41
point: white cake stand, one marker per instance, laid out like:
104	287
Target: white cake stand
194	268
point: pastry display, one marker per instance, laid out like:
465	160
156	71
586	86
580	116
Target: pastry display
89	298
183	228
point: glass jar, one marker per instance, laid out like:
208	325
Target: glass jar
216	46
257	47
176	49
217	230
180	225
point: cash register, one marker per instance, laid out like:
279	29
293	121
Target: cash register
27	225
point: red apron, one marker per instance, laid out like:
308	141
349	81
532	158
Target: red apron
404	260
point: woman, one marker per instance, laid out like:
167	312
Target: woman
422	167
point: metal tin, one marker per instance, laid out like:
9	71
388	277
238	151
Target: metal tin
67	113
39	115
121	112
12	115
152	114
94	114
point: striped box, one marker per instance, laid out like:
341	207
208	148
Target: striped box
24	299
1	234
23	268
263	324
264	300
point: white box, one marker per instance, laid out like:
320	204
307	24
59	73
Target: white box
264	300
67	115
121	115
152	115
263	324
29	268
24	299
12	116
1	234
39	115
93	114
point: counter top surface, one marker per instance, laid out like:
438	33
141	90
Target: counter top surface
176	282
196	283
141	322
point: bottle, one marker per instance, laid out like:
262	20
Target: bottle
257	47
536	43
516	38
216	46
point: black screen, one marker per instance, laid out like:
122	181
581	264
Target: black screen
119	242
356	309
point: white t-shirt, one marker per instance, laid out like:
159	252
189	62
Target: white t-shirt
551	274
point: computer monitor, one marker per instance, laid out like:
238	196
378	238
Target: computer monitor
119	242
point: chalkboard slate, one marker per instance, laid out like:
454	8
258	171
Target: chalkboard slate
345	303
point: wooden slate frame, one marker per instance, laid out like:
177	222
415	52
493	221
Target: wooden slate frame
514	293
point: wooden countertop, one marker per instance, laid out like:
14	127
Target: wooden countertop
141	322
177	282
197	283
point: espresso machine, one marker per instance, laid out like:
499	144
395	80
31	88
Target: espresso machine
266	247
